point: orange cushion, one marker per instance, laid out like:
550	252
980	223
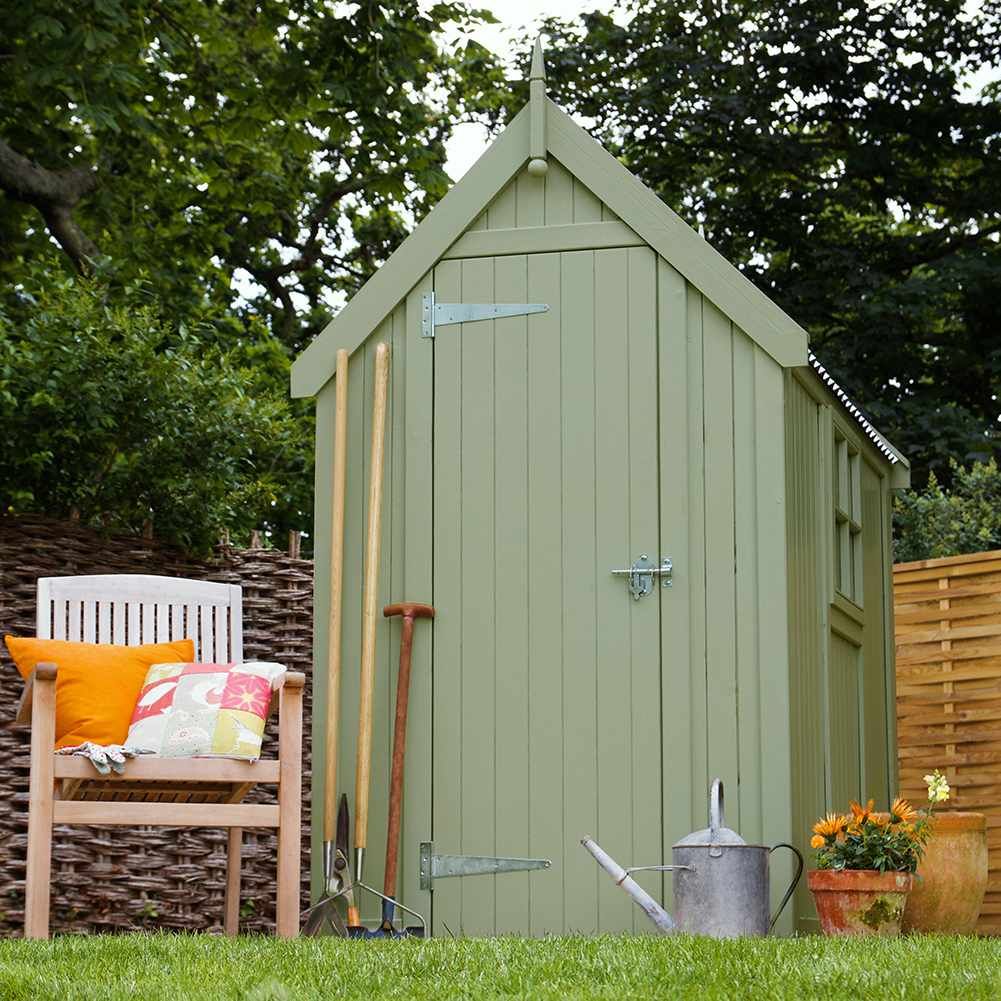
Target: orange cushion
98	684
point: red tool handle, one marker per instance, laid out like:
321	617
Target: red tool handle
409	612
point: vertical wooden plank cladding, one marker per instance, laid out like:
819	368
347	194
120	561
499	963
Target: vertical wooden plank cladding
749	448
579	572
546	662
806	679
503	210
413	433
613	489
448	721
720	543
626	519
875	762
697	552
889	645
321	597
558	198
643	763
682	607
478	589
586	204
844	696
511	695
559	194
772	594
531	207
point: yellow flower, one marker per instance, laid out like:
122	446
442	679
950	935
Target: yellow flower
817	841
902	812
938	787
879	820
830	826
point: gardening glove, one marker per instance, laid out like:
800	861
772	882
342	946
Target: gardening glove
105	758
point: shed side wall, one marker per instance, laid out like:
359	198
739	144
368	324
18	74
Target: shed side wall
841	662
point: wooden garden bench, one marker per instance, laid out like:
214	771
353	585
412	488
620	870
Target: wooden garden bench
156	791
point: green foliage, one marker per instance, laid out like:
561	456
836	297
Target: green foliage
939	521
284	146
834	152
250	163
872	843
110	413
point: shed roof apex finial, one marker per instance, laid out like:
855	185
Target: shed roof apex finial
537	98
538	70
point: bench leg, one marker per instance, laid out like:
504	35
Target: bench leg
289	806
231	917
41	789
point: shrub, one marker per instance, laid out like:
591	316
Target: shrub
966	518
111	414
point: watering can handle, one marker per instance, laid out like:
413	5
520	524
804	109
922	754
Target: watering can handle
715	809
715	817
792	885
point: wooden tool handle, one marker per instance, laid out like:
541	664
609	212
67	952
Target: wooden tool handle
370	598
399	752
336	592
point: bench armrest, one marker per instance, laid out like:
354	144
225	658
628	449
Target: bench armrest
44	674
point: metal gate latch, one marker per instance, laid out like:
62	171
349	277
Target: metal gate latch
442	866
642	573
442	314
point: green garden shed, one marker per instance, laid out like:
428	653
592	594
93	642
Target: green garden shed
661	409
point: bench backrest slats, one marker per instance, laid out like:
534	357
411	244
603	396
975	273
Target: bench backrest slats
129	609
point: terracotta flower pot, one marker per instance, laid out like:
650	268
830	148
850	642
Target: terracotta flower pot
952	876
859	901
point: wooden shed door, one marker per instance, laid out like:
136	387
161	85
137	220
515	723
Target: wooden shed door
546	673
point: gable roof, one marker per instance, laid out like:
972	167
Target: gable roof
634	203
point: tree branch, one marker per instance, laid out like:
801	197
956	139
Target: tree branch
54	193
270	280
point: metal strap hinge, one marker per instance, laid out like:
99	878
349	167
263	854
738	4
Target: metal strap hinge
441	314
443	866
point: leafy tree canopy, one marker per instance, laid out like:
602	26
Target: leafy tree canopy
216	175
834	153
111	413
190	140
965	518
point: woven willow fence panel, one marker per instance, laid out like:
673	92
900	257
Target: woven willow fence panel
117	878
948	626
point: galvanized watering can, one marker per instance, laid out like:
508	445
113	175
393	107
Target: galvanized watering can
721	884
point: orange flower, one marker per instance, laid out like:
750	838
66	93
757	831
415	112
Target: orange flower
879	820
860	814
817	841
830	826
902	812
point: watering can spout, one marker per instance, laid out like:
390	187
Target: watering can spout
621	878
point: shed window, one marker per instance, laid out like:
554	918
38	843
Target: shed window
847	519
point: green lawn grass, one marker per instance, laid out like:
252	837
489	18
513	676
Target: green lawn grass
192	968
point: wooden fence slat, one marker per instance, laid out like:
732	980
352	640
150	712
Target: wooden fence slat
949	691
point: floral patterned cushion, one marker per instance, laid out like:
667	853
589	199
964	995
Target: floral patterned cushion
204	710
